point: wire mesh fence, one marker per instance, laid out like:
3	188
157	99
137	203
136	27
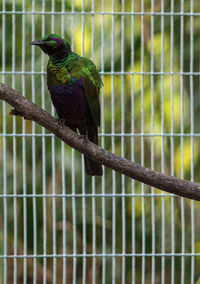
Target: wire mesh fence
58	225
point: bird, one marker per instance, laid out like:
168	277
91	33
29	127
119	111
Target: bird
74	85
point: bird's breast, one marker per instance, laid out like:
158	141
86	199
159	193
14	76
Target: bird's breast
70	102
58	75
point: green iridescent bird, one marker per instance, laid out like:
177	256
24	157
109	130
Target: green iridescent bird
74	85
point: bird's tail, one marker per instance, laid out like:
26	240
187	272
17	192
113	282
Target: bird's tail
93	168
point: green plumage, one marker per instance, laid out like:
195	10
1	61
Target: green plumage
74	85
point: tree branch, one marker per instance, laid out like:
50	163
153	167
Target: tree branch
31	111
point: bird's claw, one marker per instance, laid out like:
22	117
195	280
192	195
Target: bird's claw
84	137
61	122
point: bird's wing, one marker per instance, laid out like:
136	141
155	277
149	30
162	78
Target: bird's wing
83	68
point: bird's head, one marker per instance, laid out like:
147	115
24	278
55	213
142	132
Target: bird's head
52	44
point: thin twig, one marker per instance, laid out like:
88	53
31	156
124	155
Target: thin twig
31	111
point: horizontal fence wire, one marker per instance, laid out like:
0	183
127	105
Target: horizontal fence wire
101	13
108	134
108	73
100	255
58	225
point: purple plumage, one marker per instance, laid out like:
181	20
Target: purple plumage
71	104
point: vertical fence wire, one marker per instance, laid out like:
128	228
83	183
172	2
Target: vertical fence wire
44	182
182	143
64	279
73	174
142	143
113	147
84	220
14	146
103	177
24	150
153	267
53	169
192	138
162	147
108	257
103	145
133	143
123	146
84	212
34	154
5	206
172	142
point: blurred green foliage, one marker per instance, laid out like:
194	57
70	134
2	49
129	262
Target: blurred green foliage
169	102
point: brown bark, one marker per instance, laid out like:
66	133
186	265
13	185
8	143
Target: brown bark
31	111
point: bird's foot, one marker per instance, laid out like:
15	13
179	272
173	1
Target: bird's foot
61	122
84	137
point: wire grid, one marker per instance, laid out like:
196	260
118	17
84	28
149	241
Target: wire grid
58	225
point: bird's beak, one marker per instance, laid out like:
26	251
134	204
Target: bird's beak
36	42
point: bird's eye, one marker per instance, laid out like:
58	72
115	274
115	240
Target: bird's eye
47	39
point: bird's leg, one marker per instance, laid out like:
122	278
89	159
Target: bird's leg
84	136
61	122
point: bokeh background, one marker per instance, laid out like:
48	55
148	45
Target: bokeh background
120	231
